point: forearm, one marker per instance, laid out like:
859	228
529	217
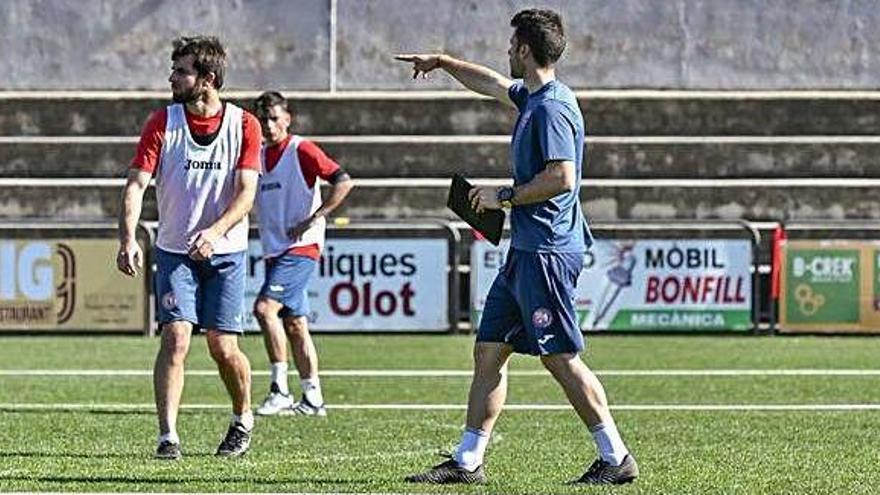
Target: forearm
239	208
132	205
241	204
477	78
338	193
551	182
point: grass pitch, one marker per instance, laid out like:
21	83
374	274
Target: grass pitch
702	415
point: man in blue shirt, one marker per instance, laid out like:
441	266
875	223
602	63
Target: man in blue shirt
530	306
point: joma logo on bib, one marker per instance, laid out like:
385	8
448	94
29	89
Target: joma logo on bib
202	165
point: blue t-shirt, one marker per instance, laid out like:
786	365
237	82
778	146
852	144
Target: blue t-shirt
550	127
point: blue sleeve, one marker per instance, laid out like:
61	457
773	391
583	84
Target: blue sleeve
556	133
519	94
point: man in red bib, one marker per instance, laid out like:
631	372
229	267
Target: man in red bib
292	228
205	156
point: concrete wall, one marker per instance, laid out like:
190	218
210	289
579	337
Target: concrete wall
126	44
710	44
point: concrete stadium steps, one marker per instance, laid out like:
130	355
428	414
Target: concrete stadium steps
489	156
603	200
321	114
608	113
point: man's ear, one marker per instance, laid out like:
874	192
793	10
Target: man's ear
209	79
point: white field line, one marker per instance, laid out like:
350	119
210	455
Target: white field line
148	407
355	373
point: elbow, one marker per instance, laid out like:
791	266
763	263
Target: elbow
133	191
249	197
566	184
343	187
249	206
562	177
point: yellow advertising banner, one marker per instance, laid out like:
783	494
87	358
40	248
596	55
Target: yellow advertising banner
66	284
830	286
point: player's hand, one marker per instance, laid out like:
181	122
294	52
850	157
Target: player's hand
201	245
297	231
422	63
484	198
130	258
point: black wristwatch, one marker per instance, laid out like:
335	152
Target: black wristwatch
505	196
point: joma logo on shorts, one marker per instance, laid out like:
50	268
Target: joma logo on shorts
201	165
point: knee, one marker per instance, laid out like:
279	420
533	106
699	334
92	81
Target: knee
481	356
297	326
558	364
222	350
263	310
489	361
175	347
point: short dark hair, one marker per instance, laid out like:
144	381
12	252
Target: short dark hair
208	55
542	31
267	100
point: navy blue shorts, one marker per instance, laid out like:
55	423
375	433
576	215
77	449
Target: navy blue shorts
531	304
287	280
208	293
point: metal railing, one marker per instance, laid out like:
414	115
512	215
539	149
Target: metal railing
459	237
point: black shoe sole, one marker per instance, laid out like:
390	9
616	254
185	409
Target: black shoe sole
231	455
624	481
439	483
411	479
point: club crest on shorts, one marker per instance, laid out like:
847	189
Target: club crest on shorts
169	300
542	318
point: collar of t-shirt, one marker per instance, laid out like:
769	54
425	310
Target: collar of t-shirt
274	152
204	126
543	89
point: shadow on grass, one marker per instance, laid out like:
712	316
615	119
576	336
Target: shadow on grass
144	455
64	455
106	412
180	479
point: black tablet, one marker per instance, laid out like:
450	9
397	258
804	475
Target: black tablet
490	223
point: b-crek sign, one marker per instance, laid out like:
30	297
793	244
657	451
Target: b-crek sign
371	284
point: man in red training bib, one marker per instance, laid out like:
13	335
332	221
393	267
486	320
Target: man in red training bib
292	229
205	156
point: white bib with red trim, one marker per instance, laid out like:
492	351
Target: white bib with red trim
195	184
284	199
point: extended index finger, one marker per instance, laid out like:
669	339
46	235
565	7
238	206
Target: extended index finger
406	57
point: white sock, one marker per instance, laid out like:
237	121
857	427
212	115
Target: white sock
311	388
279	376
170	437
245	419
469	453
611	447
